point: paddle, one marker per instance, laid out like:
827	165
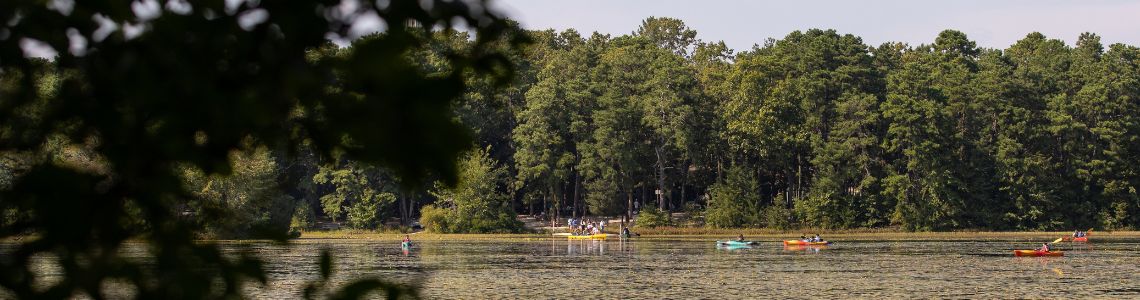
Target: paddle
1058	240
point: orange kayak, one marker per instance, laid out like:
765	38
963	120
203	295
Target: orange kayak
803	243
1083	239
1037	253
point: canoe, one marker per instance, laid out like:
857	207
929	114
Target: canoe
1037	253
736	243
587	237
802	243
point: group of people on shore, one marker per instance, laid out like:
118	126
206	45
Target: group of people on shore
585	227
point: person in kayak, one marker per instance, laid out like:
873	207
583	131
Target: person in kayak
1044	247
804	238
740	238
816	238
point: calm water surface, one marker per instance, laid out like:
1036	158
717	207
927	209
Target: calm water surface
689	269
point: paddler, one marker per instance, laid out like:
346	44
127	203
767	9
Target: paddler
740	238
1044	247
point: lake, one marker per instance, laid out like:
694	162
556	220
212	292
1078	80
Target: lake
688	268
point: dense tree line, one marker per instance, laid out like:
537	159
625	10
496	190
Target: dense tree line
816	129
819	129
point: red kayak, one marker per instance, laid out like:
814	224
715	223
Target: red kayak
1037	253
1083	239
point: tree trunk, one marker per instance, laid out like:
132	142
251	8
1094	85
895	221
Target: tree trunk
629	204
410	201
661	204
405	219
799	178
577	196
684	181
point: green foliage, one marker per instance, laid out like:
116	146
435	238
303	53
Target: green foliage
435	219
777	217
365	212
554	120
241	204
651	217
332	206
476	204
303	218
361	192
733	202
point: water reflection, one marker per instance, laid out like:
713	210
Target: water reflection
811	249
585	247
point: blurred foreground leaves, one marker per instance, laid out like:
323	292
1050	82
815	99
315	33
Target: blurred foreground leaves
140	89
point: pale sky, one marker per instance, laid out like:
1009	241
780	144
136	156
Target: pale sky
740	24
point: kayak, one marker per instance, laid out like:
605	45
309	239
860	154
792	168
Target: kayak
736	243
1037	253
1083	239
802	243
587	237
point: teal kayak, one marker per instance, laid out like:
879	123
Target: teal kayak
736	243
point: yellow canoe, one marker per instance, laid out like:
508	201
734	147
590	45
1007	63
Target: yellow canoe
587	237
